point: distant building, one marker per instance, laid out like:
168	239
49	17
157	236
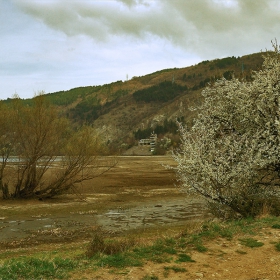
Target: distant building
151	142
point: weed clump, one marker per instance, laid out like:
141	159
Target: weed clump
277	246
174	268
251	242
277	226
100	244
184	258
119	260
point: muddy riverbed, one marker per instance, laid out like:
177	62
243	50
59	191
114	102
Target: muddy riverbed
165	212
136	194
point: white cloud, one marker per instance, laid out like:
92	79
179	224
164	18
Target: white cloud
196	25
59	44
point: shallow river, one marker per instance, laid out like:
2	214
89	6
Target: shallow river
164	212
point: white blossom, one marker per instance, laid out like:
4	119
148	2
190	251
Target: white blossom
233	148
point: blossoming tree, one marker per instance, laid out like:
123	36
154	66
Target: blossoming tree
231	154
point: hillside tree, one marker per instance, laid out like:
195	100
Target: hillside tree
231	154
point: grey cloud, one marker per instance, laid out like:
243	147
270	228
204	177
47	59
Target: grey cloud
205	27
134	2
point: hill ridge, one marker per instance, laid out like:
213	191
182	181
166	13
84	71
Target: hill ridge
122	109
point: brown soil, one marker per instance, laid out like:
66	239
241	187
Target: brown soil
225	260
135	182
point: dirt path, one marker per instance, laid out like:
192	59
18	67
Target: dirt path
224	260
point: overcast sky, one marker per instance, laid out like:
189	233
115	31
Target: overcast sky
52	45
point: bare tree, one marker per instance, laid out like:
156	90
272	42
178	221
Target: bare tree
51	157
7	143
231	155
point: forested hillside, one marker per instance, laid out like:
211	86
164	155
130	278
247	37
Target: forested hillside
125	111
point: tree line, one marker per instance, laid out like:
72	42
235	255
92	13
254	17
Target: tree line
162	92
168	126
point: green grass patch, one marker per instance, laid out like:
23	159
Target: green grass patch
252	226
196	242
247	226
119	253
31	268
277	226
159	252
182	243
184	258
200	248
174	268
250	242
213	230
119	260
210	231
